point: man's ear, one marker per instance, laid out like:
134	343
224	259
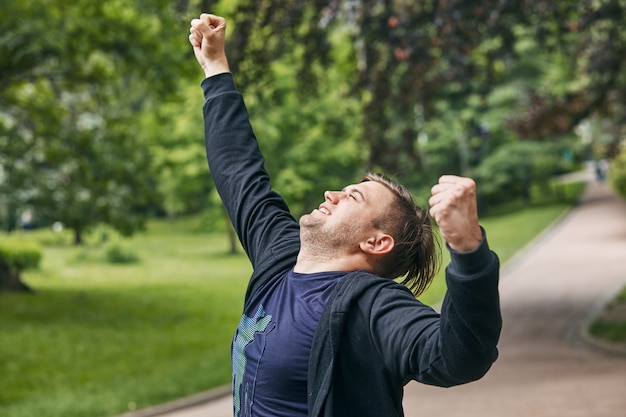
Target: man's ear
380	244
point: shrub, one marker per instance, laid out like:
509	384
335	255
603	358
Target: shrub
14	259
117	254
511	171
19	256
617	173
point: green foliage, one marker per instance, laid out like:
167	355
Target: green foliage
617	173
611	323
307	168
511	171
311	142
18	256
569	68
612	331
119	254
178	155
97	95
15	257
78	75
409	58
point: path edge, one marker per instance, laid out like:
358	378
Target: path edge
181	403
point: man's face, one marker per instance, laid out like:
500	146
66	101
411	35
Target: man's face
345	217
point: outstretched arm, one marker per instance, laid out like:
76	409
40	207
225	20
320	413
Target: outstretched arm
260	216
207	35
470	322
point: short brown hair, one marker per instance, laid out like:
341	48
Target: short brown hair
415	254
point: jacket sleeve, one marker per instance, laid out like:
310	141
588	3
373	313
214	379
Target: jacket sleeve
454	347
259	215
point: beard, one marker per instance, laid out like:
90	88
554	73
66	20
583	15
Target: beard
329	239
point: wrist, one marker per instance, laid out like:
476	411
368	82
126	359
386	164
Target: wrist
474	262
215	67
468	243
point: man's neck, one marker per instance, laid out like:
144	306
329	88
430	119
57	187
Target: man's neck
309	262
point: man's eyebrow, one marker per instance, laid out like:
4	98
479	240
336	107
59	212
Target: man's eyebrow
355	191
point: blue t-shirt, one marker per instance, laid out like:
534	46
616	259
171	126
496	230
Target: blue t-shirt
271	347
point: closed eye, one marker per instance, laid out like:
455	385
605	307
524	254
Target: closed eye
354	193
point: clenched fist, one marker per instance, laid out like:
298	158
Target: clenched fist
454	208
206	36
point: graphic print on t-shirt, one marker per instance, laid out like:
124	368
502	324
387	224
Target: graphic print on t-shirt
272	344
246	331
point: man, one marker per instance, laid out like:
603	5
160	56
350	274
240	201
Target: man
325	330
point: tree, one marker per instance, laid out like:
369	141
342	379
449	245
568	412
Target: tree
293	74
407	58
582	48
77	75
178	153
509	173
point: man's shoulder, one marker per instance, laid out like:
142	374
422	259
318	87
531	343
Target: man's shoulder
362	286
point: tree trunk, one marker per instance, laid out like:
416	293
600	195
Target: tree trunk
78	237
11	214
10	281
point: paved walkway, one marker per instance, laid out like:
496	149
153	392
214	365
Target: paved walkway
547	367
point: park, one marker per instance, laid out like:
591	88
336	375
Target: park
121	279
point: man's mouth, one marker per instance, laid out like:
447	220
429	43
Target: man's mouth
324	210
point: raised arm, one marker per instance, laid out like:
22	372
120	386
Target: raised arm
470	323
460	344
260	216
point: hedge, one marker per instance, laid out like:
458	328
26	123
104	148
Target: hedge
19	256
617	173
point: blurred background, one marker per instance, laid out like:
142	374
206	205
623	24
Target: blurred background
121	279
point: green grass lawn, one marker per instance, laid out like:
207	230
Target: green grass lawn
99	339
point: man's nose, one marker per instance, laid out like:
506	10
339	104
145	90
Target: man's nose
333	196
